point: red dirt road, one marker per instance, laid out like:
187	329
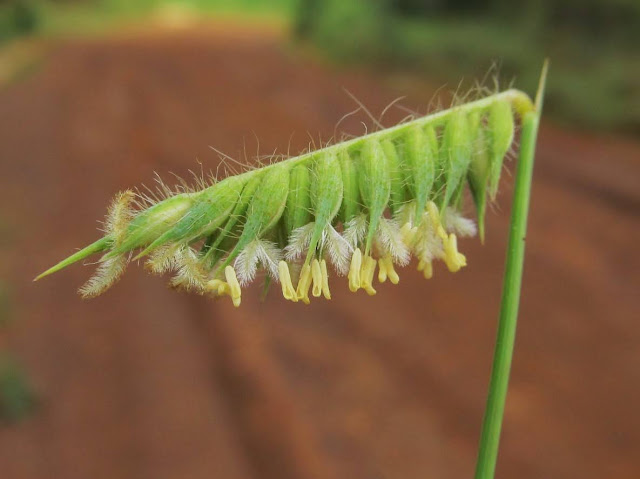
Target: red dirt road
147	382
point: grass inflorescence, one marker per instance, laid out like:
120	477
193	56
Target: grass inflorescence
366	204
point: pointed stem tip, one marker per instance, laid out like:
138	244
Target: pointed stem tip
96	247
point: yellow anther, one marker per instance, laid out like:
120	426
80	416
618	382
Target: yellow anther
354	270
382	271
316	275
408	233
325	280
452	257
217	286
434	215
304	283
426	267
234	287
386	270
288	291
366	275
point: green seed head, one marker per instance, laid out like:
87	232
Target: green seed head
362	204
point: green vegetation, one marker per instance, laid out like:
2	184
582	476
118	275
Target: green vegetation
17	18
593	46
17	398
55	17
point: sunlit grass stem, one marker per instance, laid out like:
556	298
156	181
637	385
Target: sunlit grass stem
494	411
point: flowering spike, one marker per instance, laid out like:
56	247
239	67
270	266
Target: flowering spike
366	203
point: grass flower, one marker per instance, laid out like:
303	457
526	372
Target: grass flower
366	205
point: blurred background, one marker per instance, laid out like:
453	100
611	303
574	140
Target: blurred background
96	95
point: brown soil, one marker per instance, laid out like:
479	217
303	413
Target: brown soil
146	382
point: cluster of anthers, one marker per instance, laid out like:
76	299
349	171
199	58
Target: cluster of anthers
370	203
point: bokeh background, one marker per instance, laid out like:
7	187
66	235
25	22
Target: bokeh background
97	95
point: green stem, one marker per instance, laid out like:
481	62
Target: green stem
494	411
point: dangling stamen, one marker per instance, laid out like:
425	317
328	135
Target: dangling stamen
354	270
316	275
366	275
304	283
288	291
325	280
453	259
234	287
386	270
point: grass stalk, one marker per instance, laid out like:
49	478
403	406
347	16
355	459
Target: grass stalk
494	410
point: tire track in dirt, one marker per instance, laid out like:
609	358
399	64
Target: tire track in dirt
280	440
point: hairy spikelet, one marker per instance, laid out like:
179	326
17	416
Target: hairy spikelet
109	271
190	274
163	259
371	202
391	241
258	252
119	215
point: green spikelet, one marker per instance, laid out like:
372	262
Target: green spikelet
266	207
421	150
298	210
397	176
326	195
478	175
350	189
456	153
375	185
501	129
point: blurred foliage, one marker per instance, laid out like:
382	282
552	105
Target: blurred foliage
345	28
90	16
17	398
592	44
17	17
5	304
